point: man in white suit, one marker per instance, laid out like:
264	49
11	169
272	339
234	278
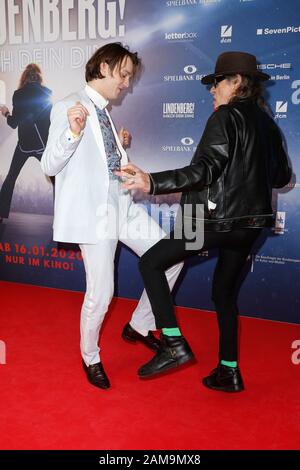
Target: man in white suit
91	208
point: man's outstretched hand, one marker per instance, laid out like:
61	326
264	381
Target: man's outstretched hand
134	178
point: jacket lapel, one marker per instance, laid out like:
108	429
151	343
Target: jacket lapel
93	121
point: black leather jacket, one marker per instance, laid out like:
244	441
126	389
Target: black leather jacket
31	114
238	161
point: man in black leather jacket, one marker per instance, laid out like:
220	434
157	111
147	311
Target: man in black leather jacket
238	161
31	115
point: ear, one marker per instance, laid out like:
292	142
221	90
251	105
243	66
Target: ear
104	69
237	80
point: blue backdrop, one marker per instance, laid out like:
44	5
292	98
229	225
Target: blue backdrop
166	112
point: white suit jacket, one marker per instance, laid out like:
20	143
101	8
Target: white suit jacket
80	170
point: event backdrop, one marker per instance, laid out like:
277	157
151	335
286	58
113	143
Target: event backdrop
165	111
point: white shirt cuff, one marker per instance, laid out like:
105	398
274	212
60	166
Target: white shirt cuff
71	137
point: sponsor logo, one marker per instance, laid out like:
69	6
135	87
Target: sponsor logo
189	3
280	77
226	34
178	110
267	67
185	145
281	108
280	223
191	36
272	69
190	74
189	69
187	141
274	31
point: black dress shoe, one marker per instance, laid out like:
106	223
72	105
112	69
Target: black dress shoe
224	379
96	375
131	335
173	352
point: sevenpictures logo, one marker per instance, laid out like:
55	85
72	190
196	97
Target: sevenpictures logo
185	145
178	110
277	31
226	34
281	109
274	69
190	75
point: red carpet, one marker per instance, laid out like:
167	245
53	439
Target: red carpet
47	403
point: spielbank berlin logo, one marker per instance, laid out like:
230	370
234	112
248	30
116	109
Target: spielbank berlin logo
189	73
184	145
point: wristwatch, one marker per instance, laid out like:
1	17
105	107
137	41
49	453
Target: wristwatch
6	114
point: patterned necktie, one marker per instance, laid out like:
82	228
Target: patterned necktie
111	149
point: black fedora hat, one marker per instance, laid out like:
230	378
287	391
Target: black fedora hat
230	63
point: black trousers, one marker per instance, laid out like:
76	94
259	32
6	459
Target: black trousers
234	248
18	161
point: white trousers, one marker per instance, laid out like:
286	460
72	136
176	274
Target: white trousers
136	229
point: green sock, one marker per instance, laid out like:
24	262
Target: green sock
229	363
171	331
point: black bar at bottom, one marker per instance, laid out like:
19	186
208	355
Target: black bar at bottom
133	459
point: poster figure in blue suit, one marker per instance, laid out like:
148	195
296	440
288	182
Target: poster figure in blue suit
31	115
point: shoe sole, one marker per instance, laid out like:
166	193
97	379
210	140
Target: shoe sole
223	389
129	340
191	360
91	382
98	386
136	341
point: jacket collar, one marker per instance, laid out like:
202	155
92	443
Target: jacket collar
95	97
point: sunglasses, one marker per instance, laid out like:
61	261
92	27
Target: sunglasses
218	79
